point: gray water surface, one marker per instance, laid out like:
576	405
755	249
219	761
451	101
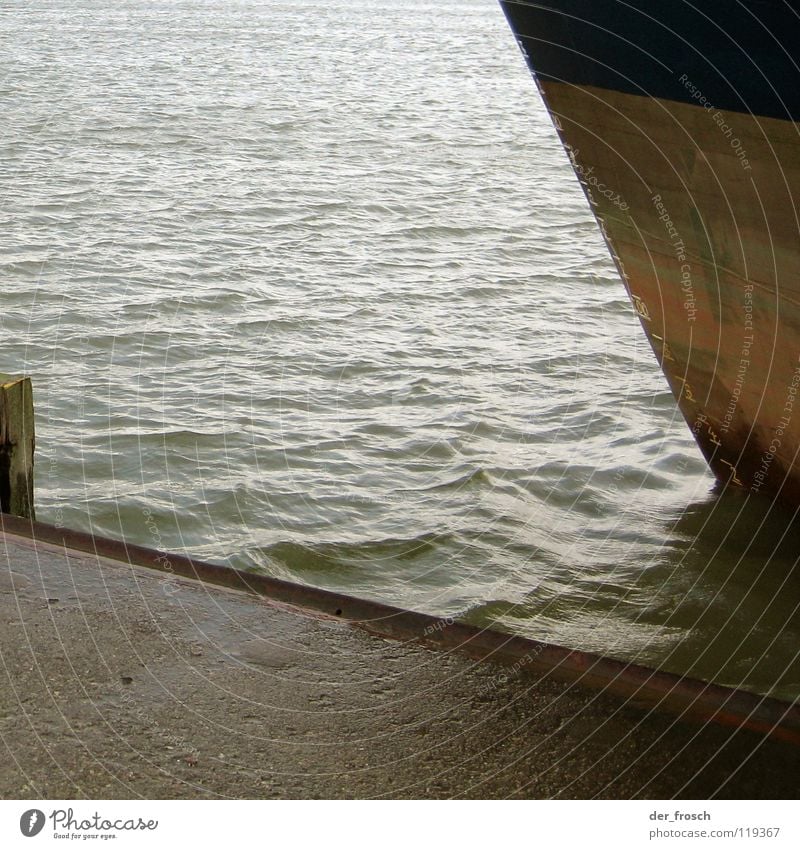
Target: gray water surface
310	289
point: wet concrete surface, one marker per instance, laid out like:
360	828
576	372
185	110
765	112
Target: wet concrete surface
123	682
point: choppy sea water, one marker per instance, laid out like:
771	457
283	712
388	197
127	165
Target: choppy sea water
310	289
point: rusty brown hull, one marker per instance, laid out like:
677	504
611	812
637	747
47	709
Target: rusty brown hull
699	211
680	123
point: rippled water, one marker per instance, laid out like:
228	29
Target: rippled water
310	289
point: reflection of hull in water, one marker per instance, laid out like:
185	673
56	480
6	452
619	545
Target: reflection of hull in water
679	121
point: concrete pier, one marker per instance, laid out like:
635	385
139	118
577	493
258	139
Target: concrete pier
120	681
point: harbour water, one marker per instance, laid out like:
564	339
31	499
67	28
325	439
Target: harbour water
311	289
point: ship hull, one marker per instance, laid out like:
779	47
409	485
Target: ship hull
692	167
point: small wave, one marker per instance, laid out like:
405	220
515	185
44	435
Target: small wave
474	478
335	557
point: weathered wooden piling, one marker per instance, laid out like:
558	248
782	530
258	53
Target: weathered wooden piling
17	442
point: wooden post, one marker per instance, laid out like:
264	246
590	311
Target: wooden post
16	446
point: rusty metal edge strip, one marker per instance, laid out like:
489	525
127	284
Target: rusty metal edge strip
641	686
